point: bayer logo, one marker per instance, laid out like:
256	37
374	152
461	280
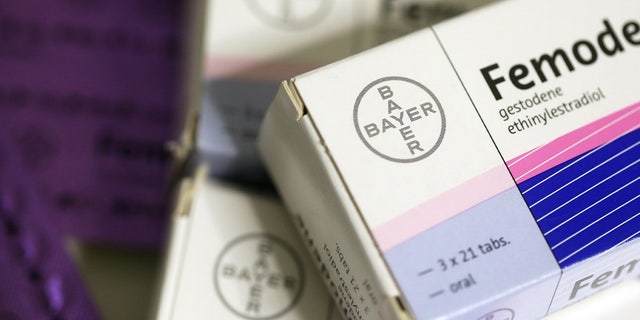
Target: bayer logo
259	276
290	14
399	119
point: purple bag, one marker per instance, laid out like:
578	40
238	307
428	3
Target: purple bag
88	92
39	281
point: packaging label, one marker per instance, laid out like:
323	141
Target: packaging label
483	244
566	127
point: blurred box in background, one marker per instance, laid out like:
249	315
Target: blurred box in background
234	253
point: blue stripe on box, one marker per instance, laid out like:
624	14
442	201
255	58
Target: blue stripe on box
590	203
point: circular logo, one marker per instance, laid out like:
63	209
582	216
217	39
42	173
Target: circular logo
290	14
399	119
500	314
259	276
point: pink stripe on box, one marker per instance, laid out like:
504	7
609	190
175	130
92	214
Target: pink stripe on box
522	156
256	69
442	207
575	143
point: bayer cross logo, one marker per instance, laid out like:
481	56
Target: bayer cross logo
259	276
290	14
399	119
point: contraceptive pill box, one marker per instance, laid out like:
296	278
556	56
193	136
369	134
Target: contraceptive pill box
485	168
235	254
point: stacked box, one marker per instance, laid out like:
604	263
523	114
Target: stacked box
234	254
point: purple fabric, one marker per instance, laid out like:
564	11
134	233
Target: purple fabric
39	281
87	103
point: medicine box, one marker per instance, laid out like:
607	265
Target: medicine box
233	253
484	168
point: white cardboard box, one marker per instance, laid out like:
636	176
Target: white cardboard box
484	168
234	254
